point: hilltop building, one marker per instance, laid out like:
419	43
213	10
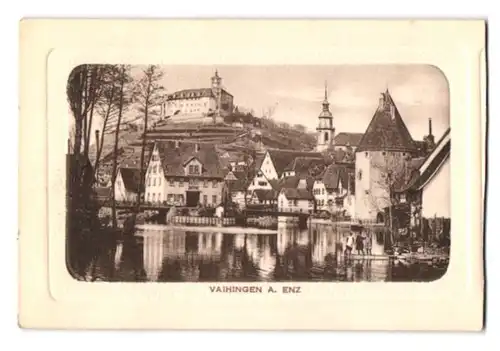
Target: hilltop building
205	105
184	174
383	155
325	129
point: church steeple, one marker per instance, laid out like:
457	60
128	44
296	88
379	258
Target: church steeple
326	104
325	124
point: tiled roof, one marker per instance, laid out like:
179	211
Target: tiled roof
242	181
131	178
173	158
387	131
338	173
297	194
419	176
348	139
282	158
292	182
193	93
302	165
266	195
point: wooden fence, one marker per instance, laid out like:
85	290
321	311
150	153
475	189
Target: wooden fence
204	221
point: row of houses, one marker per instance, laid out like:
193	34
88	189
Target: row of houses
348	178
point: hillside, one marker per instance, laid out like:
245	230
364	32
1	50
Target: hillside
255	135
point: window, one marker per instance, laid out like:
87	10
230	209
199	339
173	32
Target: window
383	153
360	174
194	169
366	154
326	136
214	184
154	181
154	197
205	183
159	181
290	203
171	182
323	191
214	199
181	182
262	183
147	197
205	200
149	181
296	202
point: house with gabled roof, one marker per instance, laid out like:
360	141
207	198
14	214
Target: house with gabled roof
334	190
384	151
127	184
427	190
347	141
184	174
276	163
295	200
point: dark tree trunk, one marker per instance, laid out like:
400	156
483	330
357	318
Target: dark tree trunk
115	153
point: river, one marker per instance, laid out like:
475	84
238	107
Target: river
166	254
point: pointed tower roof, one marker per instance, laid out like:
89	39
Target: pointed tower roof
387	130
326	105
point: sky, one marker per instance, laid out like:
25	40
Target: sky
419	91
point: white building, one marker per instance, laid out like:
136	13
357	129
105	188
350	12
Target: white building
184	174
334	190
295	200
127	184
205	104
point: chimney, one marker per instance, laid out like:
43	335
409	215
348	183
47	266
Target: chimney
430	126
196	147
97	141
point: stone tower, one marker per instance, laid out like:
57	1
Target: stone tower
382	159
217	91
325	130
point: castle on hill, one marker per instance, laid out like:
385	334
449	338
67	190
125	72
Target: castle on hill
204	105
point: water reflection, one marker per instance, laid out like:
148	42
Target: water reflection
316	254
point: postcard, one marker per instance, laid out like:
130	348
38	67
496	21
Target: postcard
252	174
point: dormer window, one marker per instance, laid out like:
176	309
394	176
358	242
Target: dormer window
194	169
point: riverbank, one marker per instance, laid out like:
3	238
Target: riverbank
231	230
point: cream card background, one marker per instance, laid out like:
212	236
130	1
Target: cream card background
50	49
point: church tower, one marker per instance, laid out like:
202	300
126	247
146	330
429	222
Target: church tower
325	130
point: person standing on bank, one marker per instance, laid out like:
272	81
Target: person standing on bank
368	244
359	244
348	246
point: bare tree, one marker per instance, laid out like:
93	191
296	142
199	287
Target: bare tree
123	100
388	173
108	107
83	90
148	94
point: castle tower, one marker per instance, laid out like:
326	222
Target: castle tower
382	159
325	130
217	91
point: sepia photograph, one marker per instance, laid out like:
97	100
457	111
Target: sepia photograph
285	178
247	173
